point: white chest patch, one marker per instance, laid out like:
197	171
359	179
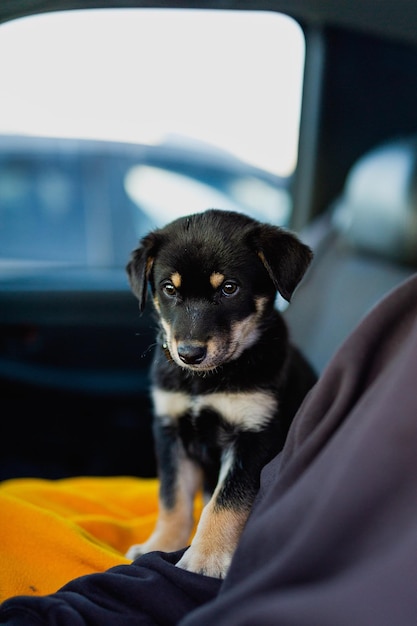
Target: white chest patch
249	411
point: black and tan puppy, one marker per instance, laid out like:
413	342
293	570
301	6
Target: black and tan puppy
226	380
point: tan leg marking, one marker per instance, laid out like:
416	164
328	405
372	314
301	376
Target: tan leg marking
215	541
217	534
174	526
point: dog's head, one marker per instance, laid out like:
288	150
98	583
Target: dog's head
213	278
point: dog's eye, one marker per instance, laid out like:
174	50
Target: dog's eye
229	288
169	289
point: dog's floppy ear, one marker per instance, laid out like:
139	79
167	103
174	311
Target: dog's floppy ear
284	256
139	267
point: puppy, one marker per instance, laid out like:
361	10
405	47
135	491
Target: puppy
226	382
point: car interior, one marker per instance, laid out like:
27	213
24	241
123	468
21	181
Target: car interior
74	350
75	353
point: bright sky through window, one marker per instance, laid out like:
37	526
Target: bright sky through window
229	79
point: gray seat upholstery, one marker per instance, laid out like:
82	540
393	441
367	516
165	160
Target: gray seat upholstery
364	246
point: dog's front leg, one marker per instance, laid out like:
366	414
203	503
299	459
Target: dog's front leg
180	478
222	520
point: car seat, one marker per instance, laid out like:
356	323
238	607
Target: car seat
364	245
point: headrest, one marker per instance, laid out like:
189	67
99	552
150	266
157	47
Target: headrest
377	211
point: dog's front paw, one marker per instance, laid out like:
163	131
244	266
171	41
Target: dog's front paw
136	550
158	542
215	564
151	545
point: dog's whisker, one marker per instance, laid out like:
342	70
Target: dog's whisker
148	349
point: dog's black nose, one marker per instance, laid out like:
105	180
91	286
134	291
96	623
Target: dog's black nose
191	354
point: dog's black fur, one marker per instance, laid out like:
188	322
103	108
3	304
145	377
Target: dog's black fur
226	380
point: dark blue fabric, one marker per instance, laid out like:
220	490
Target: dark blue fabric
150	591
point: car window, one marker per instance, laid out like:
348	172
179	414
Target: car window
151	115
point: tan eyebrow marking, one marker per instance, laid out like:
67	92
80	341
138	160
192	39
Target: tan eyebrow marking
176	280
216	279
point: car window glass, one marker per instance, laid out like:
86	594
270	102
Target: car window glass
165	112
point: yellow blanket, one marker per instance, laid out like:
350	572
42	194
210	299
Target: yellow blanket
53	531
